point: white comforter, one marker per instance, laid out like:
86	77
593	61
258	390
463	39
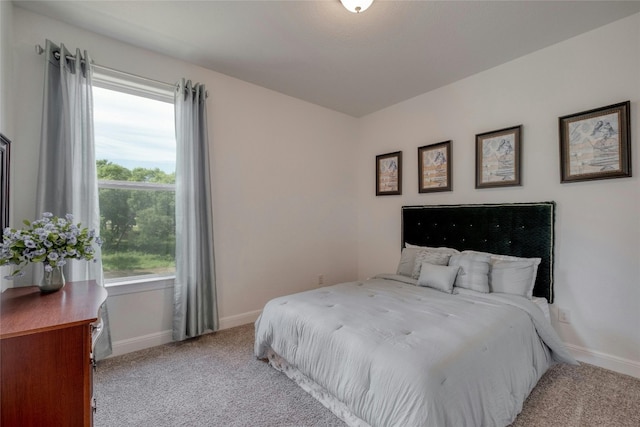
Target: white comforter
401	355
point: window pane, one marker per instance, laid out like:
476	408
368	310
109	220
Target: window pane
134	131
135	142
138	229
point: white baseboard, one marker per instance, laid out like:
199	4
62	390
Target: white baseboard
140	343
606	361
163	337
239	319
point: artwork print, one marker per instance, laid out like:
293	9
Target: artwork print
498	158
389	174
434	167
594	144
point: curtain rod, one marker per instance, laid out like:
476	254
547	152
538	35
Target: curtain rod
40	51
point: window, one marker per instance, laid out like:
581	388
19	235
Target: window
136	161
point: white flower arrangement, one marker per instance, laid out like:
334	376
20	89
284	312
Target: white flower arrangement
50	240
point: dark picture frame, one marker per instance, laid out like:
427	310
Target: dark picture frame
596	144
434	167
498	158
5	157
389	174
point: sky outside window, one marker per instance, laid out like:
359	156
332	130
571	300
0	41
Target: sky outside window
133	131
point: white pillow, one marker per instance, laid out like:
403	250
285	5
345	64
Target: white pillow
408	258
442	249
440	277
474	271
432	257
513	277
534	262
407	262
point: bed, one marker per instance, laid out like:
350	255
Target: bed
411	347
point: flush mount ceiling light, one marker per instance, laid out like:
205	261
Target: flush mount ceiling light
356	6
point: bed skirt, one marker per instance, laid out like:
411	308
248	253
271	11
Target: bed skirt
316	391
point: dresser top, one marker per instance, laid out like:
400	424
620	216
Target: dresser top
26	311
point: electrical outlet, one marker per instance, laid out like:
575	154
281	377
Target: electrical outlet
564	315
321	279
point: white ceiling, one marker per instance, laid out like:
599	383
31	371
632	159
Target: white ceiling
318	51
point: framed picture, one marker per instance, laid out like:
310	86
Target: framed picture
4	181
434	167
596	144
389	174
498	158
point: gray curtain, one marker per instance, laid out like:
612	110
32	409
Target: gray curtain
195	307
67	179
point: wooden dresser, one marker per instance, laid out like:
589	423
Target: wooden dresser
46	361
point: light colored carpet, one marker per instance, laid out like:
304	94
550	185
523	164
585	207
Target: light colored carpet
216	381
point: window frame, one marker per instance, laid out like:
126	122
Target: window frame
131	84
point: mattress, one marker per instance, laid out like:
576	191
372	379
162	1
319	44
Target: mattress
386	352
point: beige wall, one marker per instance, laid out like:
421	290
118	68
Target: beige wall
283	179
597	266
6	122
6	36
294	183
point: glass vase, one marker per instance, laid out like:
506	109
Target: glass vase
52	280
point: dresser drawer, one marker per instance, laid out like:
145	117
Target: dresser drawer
46	355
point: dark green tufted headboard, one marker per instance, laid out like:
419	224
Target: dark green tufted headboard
517	229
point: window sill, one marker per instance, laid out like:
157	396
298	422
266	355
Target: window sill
134	286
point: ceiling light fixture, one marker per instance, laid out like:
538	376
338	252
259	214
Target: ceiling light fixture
356	6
